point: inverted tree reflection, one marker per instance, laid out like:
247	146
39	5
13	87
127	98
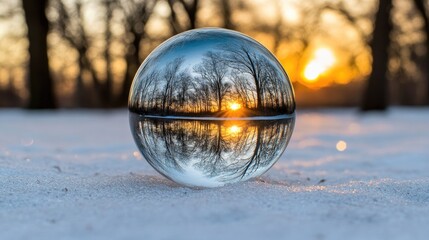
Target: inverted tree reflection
218	151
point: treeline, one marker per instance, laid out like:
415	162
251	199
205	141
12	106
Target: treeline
230	74
95	47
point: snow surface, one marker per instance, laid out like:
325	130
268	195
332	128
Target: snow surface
78	175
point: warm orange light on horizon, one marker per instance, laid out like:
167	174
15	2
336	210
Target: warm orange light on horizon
234	106
323	60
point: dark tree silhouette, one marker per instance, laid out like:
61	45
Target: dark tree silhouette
213	70
150	85
421	7
170	77
245	60
203	97
190	8
107	91
243	90
137	14
40	81
376	94
183	88
70	26
226	10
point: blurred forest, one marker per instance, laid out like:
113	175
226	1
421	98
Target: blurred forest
82	53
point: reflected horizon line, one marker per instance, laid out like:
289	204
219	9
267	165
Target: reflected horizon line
253	118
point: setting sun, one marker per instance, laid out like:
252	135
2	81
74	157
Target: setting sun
322	61
234	106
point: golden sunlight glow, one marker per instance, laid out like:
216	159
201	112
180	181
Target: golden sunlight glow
234	106
234	129
341	146
291	14
322	61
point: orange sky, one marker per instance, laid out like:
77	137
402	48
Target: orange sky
325	61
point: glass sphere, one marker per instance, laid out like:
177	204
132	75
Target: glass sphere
210	107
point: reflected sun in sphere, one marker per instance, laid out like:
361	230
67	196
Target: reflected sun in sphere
234	129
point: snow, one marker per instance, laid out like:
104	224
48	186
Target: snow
78	175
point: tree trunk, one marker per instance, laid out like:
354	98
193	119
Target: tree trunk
376	95
80	87
227	14
40	81
132	65
106	94
219	104
191	10
420	5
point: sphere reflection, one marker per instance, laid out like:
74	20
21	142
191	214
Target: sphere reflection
210	153
210	107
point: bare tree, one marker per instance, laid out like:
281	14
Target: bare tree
142	102
189	8
244	60
40	81
213	70
136	15
170	76
183	88
70	26
243	89
202	97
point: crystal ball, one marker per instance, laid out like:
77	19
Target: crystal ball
210	107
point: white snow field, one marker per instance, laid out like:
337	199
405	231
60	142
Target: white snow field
79	175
